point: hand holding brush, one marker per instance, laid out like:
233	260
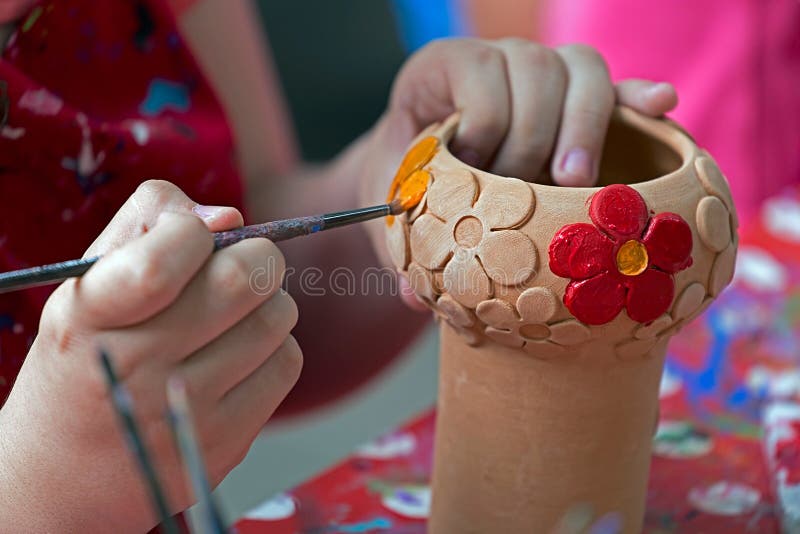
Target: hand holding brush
163	305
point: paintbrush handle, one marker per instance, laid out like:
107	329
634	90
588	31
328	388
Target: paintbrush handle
274	231
45	274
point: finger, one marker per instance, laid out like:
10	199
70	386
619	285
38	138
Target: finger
475	75
219	366
538	81
234	282
650	98
141	210
481	90
138	280
251	403
584	121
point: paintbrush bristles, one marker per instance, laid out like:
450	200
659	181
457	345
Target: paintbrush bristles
396	207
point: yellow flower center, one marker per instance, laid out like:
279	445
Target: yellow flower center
632	258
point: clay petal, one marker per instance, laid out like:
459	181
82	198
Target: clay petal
421	281
431	242
669	242
569	333
465	279
504	337
620	211
397	243
537	305
649	295
455	313
596	300
580	251
505	203
452	193
497	313
509	257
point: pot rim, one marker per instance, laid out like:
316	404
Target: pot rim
662	129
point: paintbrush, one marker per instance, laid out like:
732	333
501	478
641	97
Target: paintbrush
274	231
180	418
123	405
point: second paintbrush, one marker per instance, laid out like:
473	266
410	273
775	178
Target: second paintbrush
274	231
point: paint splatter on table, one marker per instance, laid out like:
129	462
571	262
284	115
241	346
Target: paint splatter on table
708	473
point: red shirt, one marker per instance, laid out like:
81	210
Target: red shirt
95	98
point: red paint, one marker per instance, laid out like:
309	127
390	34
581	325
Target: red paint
649	295
580	251
596	300
787	455
619	211
669	242
587	255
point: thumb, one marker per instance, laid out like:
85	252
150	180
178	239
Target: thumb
152	198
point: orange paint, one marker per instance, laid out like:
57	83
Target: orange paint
410	182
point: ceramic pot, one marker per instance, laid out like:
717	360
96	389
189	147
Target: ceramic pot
556	305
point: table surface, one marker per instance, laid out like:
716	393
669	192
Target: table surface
708	473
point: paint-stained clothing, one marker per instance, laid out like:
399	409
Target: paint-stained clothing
96	97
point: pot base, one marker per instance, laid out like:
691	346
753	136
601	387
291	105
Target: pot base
520	441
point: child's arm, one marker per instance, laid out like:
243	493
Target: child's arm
163	306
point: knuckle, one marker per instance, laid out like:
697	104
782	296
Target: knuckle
538	57
231	274
154	192
289	361
147	278
486	55
278	313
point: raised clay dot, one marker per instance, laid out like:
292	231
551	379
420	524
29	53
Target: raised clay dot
715	184
497	313
713	224
722	271
534	331
568	333
503	337
635	349
706	303
397	243
688	301
649	331
544	350
537	305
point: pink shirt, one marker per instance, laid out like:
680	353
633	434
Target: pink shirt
735	64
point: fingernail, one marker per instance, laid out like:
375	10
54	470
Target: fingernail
208	213
469	156
578	163
657	88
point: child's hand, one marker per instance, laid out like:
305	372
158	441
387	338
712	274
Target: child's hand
162	305
521	104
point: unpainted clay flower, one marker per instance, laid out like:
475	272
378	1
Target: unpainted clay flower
627	260
527	324
470	235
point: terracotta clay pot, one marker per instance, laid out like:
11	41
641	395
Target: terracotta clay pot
556	306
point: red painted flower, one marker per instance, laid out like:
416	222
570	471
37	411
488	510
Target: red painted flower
625	261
